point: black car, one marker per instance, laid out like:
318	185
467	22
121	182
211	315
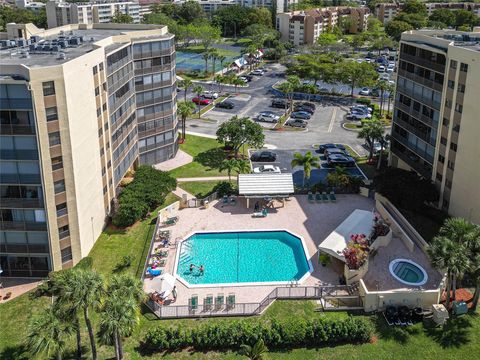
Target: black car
335	150
340	160
225	105
323	147
279	103
307	104
264	156
304	108
248	77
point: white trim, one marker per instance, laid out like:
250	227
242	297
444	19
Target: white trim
396	261
266	283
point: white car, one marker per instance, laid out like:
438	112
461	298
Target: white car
266	169
210	95
381	69
268	116
391	82
391	68
361	108
385	76
257	72
364	91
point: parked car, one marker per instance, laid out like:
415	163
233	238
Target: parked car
334	150
364	91
304	109
308	104
264	156
390	68
385	76
323	147
381	69
363	108
266	169
268	116
225	105
358	116
324	89
248	77
297	123
340	160
210	94
243	78
201	100
279	103
257	72
300	115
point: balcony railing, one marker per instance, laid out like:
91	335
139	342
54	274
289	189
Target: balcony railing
416	60
421	80
23	225
11	129
20	203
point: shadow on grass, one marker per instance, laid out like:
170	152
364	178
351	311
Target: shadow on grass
399	334
18	352
454	334
211	158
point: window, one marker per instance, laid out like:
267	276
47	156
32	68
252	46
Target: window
103	170
443	140
59	186
459	108
448	184
100	132
109	164
97	91
66	254
461	88
95	70
104	190
104	86
463	67
102	151
441	159
57	163
63	232
104	107
54	138
448	103
99	112
48	88
453	146
451	84
100	66
445	122
439	177
51	113
456	128
451	165
453	64
61	209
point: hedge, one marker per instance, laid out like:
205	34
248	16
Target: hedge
147	191
276	334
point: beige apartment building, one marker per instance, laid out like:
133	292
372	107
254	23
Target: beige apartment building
304	27
80	106
436	122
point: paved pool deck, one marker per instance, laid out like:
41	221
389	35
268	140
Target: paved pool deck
313	221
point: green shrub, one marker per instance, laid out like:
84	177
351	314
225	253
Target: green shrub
364	101
287	334
225	188
85	264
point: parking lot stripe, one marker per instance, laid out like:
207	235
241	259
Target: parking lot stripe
332	120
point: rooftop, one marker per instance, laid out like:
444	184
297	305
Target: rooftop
467	40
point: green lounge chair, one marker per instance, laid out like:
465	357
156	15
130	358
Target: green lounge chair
310	197
231	301
208	302
333	198
318	197
325	196
171	221
219	301
193	303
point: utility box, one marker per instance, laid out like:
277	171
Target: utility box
440	314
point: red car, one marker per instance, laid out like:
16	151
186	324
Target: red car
202	101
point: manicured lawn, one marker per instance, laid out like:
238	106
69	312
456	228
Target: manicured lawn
362	162
207	154
199	189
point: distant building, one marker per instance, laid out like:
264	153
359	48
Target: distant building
63	13
305	26
210	6
385	12
436	127
30	5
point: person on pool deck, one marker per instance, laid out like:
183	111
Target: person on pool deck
201	269
192	267
257	206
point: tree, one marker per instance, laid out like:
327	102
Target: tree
242	167
254	352
198	90
221	58
381	43
474	271
417	21
325	39
185	109
48	334
185	84
307	161
190	12
120	311
443	16
239	131
465	18
371	131
382	85
232	19
237	82
206	57
395	28
228	165
214	57
357	74
21	16
374	25
260	16
288	88
415	7
121	18
339	177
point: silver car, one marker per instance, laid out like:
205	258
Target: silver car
267	116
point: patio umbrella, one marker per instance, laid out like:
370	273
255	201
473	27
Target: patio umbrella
166	287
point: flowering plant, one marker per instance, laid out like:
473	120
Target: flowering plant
356	252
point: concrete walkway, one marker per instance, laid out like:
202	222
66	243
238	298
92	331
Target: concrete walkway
180	192
210	178
182	158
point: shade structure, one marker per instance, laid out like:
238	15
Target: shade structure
257	185
358	222
167	284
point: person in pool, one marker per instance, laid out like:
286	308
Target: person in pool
201	269
192	267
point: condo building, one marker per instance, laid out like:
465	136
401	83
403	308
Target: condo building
436	123
304	27
64	13
80	105
210	6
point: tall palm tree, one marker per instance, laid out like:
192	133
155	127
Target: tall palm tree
198	90
382	85
242	167
48	333
185	109
474	249
254	352
214	57
237	82
371	131
307	161
287	89
220	79
85	290
206	57
229	166
391	93
185	84
438	252
221	58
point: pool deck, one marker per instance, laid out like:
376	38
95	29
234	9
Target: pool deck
312	221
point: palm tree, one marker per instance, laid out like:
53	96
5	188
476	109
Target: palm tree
254	352
198	90
85	290
220	79
474	247
185	109
438	252
214	57
308	161
185	84
229	166
48	333
251	51
206	57
242	167
371	131
391	93
120	311
382	85
221	58
383	141
236	82
287	89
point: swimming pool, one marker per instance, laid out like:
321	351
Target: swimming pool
408	272
320	175
240	258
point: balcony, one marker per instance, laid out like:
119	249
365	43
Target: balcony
414	130
412	147
12	129
420	80
23	226
63	234
426	173
416	60
19	203
425	101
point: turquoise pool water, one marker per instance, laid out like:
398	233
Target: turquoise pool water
242	257
408	272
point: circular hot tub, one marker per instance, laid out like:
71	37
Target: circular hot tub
408	272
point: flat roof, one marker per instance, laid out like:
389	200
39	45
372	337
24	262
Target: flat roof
251	185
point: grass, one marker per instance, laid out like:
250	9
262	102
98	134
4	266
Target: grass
199	189
362	162
207	154
212	104
352	126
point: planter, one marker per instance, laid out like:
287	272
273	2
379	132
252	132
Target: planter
381	241
354	275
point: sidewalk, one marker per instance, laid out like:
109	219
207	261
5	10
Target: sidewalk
182	158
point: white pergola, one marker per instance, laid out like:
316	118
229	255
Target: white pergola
358	222
265	185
